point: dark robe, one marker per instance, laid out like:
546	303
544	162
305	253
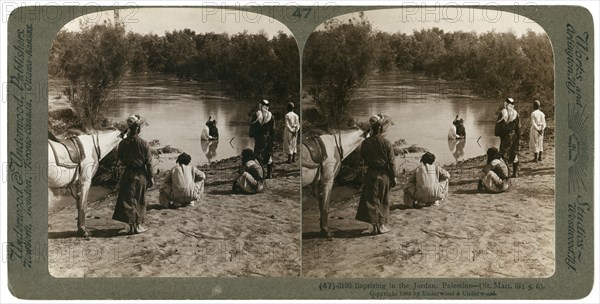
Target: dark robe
135	154
460	130
378	154
509	133
263	141
213	131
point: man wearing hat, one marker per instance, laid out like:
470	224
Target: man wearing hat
378	154
262	127
536	132
508	128
135	154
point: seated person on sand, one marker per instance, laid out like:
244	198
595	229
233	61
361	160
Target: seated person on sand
184	184
457	131
495	173
427	185
250	179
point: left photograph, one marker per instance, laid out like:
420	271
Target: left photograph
172	141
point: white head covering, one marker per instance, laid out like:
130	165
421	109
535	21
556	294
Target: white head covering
375	119
509	113
134	119
263	115
380	122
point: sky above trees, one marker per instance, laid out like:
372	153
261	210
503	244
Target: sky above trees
201	20
407	20
403	20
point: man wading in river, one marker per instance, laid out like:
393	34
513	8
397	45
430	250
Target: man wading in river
508	128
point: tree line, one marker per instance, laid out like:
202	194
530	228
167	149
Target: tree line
340	58
337	61
94	60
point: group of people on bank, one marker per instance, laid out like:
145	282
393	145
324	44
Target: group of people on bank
496	172
428	184
184	184
257	164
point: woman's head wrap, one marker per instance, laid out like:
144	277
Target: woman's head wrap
134	122
379	123
134	119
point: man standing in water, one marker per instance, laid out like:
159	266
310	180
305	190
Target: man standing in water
262	129
508	128
213	131
457	131
378	154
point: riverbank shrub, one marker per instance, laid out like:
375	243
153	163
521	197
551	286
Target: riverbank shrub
93	62
337	61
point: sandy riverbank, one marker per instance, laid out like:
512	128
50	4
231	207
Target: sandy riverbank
470	235
223	235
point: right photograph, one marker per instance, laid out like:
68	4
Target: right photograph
428	146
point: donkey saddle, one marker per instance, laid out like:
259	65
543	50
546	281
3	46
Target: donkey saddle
74	147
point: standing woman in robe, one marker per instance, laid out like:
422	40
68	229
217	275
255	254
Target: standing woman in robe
135	154
378	154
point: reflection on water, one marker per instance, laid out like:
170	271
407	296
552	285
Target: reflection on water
209	147
176	112
423	110
457	148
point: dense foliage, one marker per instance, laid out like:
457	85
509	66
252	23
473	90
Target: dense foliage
339	58
337	61
93	61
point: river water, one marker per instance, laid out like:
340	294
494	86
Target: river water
176	112
423	109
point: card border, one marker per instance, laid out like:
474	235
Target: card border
37	283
